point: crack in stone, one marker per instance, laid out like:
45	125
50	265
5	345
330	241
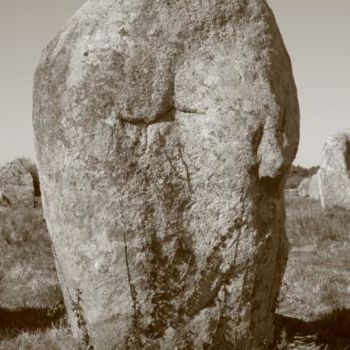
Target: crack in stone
5	199
172	165
188	177
186	271
187	110
164	117
135	304
82	325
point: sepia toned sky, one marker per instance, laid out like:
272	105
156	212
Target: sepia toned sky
316	33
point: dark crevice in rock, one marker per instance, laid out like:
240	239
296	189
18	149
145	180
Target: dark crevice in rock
165	117
36	184
257	137
172	165
82	325
188	178
188	110
33	172
133	339
5	200
132	288
347	155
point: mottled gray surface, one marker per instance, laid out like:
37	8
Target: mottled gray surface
164	133
334	173
16	185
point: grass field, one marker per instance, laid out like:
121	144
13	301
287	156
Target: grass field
314	304
27	268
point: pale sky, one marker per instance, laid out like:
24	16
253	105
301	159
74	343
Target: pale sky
316	33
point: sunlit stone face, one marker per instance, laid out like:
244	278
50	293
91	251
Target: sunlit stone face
164	132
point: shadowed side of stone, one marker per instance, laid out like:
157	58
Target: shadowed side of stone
164	132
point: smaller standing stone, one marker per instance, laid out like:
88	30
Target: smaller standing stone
304	187
309	187
334	176
314	187
16	185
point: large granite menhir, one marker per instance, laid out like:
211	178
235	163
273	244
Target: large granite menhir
164	132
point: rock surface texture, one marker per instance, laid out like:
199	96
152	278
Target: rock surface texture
16	185
334	173
164	132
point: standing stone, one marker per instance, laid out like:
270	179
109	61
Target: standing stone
309	187
334	173
314	187
304	187
164	133
16	185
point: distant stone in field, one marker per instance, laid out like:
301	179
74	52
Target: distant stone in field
164	131
304	187
309	187
334	173
314	187
16	185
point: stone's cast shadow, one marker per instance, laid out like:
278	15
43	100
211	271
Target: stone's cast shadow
332	330
14	322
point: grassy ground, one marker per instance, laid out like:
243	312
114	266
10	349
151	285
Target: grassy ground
56	337
27	269
30	296
314	305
